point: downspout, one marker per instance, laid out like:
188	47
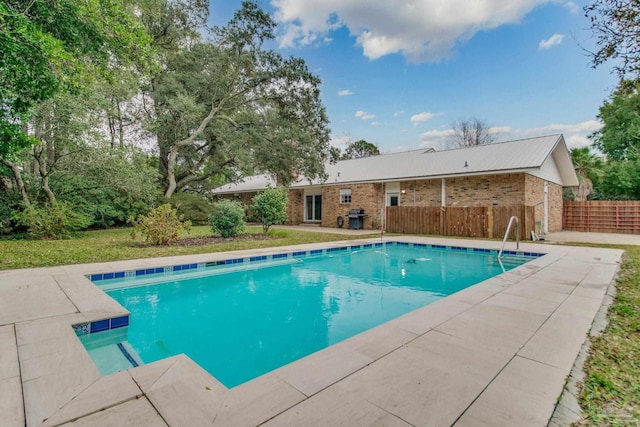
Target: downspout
546	207
443	193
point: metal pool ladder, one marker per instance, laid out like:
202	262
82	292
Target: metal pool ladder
506	234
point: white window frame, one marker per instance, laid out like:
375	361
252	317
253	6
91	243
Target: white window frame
345	196
390	195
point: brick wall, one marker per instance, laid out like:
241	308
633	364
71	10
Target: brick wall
421	193
534	196
295	209
487	190
369	197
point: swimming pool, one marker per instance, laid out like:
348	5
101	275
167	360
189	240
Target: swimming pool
241	318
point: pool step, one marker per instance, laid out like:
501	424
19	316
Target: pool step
510	261
110	351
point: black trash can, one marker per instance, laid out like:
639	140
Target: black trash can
356	219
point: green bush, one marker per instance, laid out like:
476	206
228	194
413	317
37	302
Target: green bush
194	207
270	207
55	220
161	226
227	218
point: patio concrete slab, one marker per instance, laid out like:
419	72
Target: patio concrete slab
53	363
251	404
45	395
600	275
595	238
419	322
46	328
31	297
186	392
492	326
106	392
522	395
559	340
430	381
146	375
517	302
9	364
11	402
85	297
321	369
538	288
336	407
443	363
139	413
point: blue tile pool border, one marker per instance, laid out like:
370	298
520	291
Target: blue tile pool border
101	325
279	256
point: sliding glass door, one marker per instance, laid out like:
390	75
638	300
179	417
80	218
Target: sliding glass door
313	207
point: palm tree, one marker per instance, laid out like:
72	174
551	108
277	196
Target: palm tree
588	166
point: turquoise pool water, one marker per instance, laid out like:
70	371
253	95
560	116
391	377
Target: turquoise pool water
240	322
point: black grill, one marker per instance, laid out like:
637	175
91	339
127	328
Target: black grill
356	219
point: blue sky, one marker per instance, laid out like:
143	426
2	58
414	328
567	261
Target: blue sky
398	73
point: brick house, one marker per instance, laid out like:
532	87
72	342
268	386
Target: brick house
530	172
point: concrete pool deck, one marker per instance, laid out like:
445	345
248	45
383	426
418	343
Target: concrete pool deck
495	354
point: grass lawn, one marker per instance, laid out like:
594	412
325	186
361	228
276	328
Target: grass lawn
116	244
611	395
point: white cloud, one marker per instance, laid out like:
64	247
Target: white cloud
344	92
421	30
436	138
575	135
364	115
341	142
375	124
416	119
398	113
573	7
497	130
551	41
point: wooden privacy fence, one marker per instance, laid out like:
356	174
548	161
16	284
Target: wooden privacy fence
459	221
602	216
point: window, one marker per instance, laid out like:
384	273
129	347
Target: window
345	196
393	199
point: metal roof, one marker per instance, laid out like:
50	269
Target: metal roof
512	156
247	184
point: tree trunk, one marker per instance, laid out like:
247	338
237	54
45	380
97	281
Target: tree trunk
171	172
120	125
17	176
112	131
173	152
44	174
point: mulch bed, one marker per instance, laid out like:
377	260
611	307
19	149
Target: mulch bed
210	240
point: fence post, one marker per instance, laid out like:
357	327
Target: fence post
489	216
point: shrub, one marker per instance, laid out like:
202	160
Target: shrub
193	206
55	220
227	218
270	207
161	226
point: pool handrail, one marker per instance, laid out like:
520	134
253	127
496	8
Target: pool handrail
506	234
